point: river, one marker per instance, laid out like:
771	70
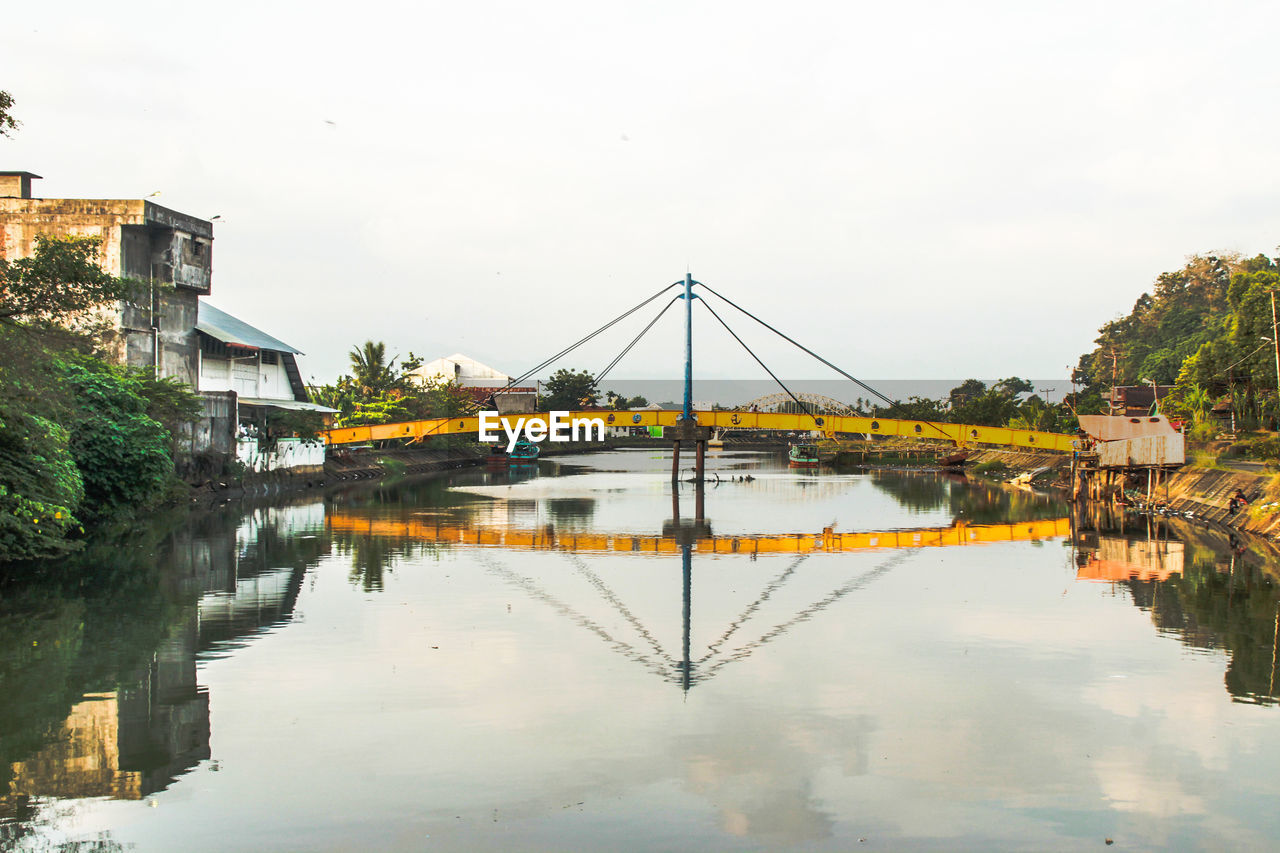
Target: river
565	659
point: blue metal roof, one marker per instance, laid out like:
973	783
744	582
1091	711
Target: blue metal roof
230	330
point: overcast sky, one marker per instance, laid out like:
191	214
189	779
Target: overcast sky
915	190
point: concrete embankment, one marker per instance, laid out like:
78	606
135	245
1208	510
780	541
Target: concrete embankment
1050	467
1206	492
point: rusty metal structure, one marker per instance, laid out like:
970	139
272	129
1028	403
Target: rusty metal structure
1118	451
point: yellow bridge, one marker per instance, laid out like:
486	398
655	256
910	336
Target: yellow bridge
824	541
830	425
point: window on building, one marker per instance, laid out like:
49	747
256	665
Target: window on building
270	357
213	348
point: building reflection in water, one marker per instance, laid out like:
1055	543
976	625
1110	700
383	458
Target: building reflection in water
222	581
1208	586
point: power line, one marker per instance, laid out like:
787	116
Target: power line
600	377
582	341
804	409
794	342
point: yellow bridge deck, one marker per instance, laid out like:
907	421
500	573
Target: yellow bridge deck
960	434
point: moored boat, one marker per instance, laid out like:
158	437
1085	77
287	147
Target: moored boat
953	460
524	453
803	456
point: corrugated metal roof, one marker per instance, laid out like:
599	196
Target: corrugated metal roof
230	330
295	405
1114	427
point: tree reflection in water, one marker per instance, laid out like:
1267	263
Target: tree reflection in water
1223	593
98	655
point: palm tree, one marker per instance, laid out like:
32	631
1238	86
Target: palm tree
1197	401
371	371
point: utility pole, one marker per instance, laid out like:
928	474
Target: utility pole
1275	339
1115	379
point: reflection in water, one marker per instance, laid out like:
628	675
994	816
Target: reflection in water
98	660
877	653
1205	586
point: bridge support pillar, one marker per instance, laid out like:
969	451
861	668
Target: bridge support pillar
687	431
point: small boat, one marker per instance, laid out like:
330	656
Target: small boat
716	442
803	456
953	460
524	453
497	457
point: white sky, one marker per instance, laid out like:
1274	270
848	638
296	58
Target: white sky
914	190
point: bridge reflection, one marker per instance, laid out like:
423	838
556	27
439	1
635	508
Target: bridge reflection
509	526
473	532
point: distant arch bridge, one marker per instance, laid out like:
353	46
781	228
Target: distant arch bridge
816	403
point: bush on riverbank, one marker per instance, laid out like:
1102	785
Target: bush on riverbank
78	443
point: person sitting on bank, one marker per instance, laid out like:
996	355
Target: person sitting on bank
1237	502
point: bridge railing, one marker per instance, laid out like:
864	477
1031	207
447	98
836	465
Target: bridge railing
960	434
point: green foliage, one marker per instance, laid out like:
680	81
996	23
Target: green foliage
59	284
435	399
568	390
972	402
1201	432
372	374
169	402
1201	327
8	123
79	440
123	454
918	409
388	407
1264	446
377	394
40	488
614	400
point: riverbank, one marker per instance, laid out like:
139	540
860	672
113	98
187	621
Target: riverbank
369	464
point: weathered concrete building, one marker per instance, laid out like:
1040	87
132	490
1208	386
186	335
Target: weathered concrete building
239	371
171	252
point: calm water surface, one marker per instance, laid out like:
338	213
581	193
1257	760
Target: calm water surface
535	661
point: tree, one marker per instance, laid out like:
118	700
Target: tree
917	409
123	454
59	284
8	123
569	389
967	390
372	373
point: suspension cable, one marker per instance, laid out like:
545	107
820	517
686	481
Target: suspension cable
574	346
847	375
602	374
803	408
